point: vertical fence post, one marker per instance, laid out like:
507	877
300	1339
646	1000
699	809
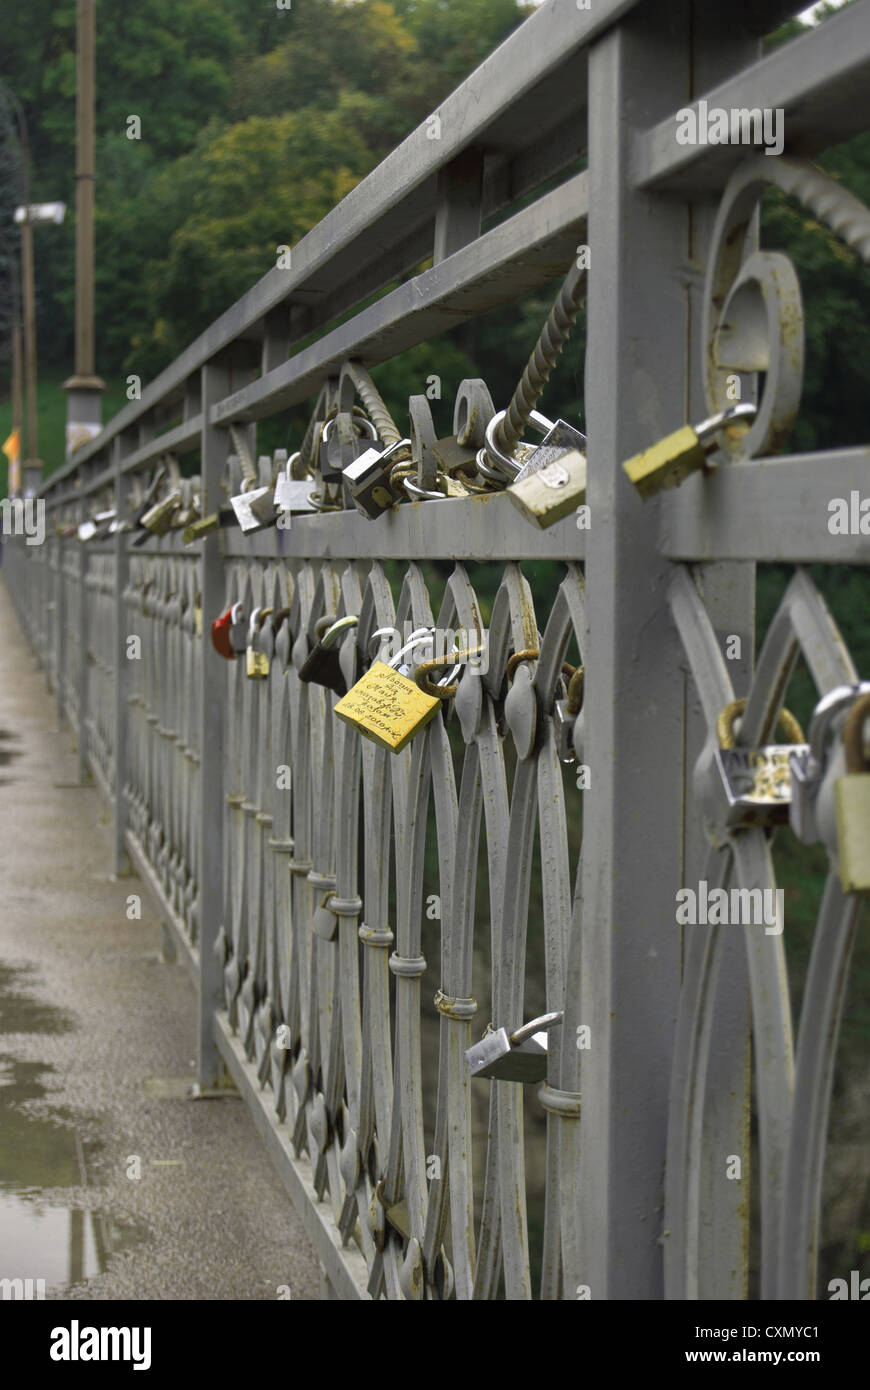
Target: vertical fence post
720	48
212	714
633	810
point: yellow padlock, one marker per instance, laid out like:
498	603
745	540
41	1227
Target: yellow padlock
669	462
256	662
387	707
852	804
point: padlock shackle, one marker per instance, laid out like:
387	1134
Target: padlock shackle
828	707
723	418
338	629
853	736
422	634
496	457
537	1025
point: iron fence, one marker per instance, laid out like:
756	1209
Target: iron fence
352	917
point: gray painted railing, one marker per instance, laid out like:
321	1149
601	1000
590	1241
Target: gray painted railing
242	804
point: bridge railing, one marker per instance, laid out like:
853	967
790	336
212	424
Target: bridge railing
353	917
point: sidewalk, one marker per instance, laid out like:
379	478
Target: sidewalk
97	1038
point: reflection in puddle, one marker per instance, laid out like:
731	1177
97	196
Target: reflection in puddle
50	1243
40	1155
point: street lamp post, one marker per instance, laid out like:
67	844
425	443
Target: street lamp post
28	216
84	389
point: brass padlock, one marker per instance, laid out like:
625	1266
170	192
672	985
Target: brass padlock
852	804
256	660
386	705
669	462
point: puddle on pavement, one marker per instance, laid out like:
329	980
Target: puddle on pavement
41	1154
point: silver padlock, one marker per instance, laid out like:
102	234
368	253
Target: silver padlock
567	721
341	443
568	729
254	506
757	783
498	466
557	442
292	494
368	479
238	629
737	786
520	1056
809	764
324	922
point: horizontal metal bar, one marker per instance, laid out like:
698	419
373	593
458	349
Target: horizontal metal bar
768	510
529	249
344	1265
467	528
820	81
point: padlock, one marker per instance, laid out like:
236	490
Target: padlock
292	494
221	632
387	706
368	479
494	463
738	786
254	506
520	1056
669	462
808	765
548	495
757	783
147	499
158	517
189	508
450	455
852	803
322	666
201	528
565	715
341	443
238	629
324	922
87	530
557	442
256	660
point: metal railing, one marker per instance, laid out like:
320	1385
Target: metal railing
352	917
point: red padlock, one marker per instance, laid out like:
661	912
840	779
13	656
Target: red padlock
221	629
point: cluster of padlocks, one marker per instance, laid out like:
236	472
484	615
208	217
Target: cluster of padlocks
353	455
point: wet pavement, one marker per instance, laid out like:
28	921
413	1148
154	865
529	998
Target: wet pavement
113	1183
